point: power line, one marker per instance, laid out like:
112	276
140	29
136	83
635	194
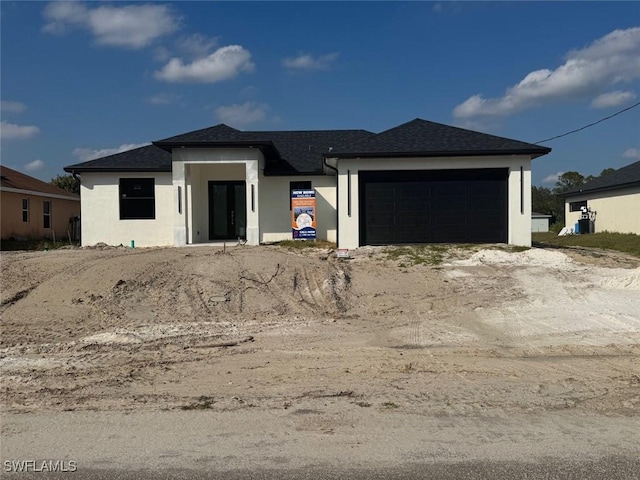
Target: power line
590	125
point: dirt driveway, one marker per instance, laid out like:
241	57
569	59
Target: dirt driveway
265	328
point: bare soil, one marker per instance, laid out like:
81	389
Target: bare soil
487	330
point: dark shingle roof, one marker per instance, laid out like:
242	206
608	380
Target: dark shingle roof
303	151
143	159
424	138
297	151
13	179
624	177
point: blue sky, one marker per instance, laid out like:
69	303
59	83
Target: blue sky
87	79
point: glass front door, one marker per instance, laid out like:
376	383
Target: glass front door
227	210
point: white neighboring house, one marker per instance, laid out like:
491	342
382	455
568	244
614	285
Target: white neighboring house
540	222
614	201
419	182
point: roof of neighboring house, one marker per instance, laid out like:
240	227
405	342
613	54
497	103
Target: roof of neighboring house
14	180
143	159
303	151
624	177
423	138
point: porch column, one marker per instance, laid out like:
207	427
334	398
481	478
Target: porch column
253	218
179	204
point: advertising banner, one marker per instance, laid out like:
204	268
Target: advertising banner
303	214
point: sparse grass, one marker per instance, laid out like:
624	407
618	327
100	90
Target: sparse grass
302	244
203	403
622	242
427	254
43	244
363	404
390	405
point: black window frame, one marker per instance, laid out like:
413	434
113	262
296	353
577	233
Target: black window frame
46	213
299	185
137	198
25	210
577	206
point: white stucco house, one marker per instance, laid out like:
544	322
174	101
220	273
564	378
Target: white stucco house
613	200
419	182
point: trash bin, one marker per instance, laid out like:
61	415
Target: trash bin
585	225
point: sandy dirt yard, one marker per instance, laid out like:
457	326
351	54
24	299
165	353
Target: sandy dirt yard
488	331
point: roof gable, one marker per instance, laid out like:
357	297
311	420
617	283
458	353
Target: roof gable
16	180
623	177
423	138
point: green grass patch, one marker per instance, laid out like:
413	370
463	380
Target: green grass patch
304	244
621	242
427	254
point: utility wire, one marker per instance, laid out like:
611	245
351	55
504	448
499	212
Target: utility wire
590	125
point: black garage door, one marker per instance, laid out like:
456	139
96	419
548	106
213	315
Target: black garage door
451	206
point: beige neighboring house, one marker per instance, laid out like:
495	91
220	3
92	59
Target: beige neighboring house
612	200
33	209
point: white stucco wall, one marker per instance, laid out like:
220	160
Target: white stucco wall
519	218
275	219
100	211
616	211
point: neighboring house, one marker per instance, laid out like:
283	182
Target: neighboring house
419	182
33	209
614	201
540	222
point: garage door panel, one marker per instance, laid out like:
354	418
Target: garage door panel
433	206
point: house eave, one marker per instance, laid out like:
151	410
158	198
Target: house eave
445	153
73	170
620	186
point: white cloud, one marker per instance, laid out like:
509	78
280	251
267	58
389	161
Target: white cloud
62	14
12	107
632	153
239	115
309	62
553	178
196	45
85	154
164	99
11	131
33	166
612	99
610	60
223	64
131	26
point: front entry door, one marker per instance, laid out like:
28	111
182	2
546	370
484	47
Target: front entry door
227	210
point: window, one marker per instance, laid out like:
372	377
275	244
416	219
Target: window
46	214
302	185
576	206
25	210
137	199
